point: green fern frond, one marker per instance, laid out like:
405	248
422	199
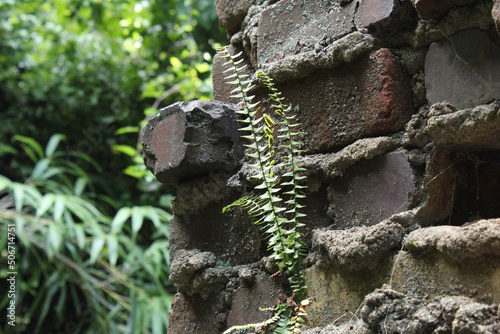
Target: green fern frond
279	218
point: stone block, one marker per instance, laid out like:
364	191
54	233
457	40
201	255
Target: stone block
191	139
373	190
294	26
232	12
356	248
232	236
464	69
380	15
195	315
248	300
388	311
222	90
366	98
435	9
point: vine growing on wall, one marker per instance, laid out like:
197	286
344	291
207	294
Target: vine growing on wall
275	201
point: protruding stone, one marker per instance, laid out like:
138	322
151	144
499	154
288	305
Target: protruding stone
373	190
387	311
357	248
479	240
464	69
434	9
191	139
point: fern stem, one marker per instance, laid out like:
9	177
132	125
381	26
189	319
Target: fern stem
259	150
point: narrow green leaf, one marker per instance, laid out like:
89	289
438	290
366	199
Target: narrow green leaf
137	218
54	141
112	243
96	248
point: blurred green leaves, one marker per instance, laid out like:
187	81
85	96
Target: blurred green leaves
105	261
92	253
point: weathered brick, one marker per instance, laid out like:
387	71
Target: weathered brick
297	26
293	26
373	190
222	90
464	69
232	12
380	15
190	139
248	300
495	12
434	9
195	315
369	97
231	236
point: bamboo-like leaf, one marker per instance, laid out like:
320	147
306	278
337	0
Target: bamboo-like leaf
96	248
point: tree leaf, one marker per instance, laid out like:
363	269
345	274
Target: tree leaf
96	248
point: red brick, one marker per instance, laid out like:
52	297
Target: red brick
190	139
369	97
464	69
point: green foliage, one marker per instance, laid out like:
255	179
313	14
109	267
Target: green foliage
275	202
88	68
72	256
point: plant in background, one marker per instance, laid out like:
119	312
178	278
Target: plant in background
275	201
79	269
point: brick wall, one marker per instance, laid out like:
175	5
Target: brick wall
399	105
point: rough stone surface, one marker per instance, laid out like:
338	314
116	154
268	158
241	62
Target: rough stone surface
189	139
432	9
373	190
473	128
458	19
388	311
293	26
186	264
479	240
232	12
232	236
464	70
435	274
369	97
380	15
248	300
357	248
495	13
331	165
343	50
222	90
186	315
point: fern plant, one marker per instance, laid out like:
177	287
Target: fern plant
275	201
